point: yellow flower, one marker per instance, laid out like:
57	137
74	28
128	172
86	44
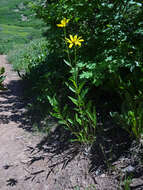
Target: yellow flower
63	23
74	40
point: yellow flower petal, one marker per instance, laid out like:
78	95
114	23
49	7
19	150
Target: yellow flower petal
69	41
59	25
63	22
71	37
67	21
75	37
78	43
70	46
81	40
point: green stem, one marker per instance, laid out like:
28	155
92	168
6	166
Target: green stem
75	56
67	47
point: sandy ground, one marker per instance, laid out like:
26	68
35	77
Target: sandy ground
14	140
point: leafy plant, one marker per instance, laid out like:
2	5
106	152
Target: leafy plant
2	77
80	118
131	116
127	183
28	55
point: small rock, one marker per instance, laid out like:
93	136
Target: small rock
102	175
129	169
98	172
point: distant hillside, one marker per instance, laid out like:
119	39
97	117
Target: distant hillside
17	24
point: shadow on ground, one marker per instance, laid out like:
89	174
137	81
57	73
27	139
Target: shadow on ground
12	105
107	149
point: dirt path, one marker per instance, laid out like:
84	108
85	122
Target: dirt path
14	140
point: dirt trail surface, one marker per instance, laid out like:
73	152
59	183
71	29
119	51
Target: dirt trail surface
36	162
14	140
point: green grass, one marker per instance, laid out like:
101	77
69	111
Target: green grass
13	30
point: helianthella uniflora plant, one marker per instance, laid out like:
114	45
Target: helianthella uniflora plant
81	120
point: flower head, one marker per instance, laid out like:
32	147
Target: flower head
74	40
63	23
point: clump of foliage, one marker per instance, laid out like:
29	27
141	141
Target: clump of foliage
28	55
113	33
2	77
18	24
131	116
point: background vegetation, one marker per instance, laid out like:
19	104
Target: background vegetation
17	24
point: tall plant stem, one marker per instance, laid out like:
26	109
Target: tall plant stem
67	47
75	56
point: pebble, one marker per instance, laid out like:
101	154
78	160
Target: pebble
129	169
103	175
98	172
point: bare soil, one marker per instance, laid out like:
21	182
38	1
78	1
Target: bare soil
31	161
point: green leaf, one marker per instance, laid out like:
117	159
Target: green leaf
81	86
56	115
73	100
86	75
65	108
62	122
67	63
70	121
70	87
73	81
78	119
83	93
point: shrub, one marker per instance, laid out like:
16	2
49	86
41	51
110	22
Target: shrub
25	56
113	33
